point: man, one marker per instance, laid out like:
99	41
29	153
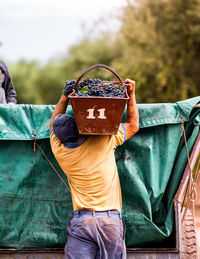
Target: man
7	90
96	229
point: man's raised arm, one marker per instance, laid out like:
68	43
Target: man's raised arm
132	118
63	102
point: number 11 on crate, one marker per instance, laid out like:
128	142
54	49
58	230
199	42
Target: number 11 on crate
101	114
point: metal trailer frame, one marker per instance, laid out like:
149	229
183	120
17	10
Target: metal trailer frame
171	253
132	253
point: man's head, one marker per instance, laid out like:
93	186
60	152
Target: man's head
65	128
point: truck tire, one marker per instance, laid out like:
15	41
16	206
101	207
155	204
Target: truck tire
189	241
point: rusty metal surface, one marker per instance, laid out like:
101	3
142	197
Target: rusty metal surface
32	256
186	175
98	115
178	201
177	209
142	255
45	253
130	255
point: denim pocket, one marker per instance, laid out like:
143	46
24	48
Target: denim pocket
75	227
75	223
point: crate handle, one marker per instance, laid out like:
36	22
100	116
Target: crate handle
95	66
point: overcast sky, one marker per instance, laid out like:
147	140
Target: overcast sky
41	29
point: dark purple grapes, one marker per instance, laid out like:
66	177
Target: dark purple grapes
68	87
97	87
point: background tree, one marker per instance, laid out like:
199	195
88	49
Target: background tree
158	45
88	52
49	83
24	75
163	39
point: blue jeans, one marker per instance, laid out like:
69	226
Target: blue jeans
95	235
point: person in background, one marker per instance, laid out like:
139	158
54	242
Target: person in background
7	90
96	229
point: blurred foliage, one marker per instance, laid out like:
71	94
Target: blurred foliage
49	83
24	75
158	46
163	37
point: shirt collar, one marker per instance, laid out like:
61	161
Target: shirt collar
78	143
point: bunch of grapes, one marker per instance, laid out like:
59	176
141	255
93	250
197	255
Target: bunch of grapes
69	86
97	87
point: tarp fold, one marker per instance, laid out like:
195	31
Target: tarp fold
35	204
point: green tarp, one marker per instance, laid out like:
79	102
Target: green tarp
35	206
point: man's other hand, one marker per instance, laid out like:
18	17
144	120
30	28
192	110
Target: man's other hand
130	86
132	119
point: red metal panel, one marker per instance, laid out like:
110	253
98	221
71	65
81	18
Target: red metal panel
98	115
